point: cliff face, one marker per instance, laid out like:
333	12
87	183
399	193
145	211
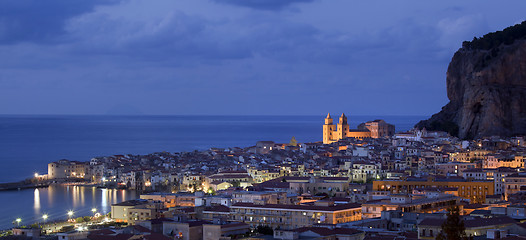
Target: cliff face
487	93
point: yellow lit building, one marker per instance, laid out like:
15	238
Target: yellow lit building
171	199
67	169
379	128
475	191
263	175
333	133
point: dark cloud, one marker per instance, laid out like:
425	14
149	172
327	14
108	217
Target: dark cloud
263	4
174	57
39	21
174	36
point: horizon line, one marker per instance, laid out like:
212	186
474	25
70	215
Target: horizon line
208	115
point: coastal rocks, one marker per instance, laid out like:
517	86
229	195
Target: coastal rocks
486	87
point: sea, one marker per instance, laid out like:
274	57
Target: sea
29	142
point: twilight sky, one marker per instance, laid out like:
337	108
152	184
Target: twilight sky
246	57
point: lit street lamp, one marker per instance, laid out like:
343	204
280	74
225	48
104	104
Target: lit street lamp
94	210
45	216
18	220
70	214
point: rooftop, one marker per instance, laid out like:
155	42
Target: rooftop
339	207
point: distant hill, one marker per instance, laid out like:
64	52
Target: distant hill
486	87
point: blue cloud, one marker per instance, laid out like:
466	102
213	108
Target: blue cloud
39	21
263	4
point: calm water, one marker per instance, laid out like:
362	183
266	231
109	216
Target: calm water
55	201
28	143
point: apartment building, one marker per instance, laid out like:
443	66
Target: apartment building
475	191
295	216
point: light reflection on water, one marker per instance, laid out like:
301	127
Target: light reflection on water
36	204
31	204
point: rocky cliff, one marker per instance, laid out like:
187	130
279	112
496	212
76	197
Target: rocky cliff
486	87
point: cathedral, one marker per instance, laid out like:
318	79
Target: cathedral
372	129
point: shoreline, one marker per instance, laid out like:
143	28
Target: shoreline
33	184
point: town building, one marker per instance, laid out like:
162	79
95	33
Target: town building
295	216
514	183
264	147
429	203
475	191
328	185
224	230
187	230
172	199
378	128
475	227
319	233
454	168
67	169
135	210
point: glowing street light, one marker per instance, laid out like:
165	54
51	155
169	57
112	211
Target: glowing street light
18	220
70	214
36	175
45	216
94	210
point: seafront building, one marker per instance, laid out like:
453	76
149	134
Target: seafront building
65	169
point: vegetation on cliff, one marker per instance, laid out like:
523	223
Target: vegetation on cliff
495	39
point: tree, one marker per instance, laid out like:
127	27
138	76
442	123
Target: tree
453	228
265	230
235	184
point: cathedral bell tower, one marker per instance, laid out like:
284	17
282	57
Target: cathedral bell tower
343	127
328	130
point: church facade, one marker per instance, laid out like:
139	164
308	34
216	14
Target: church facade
372	129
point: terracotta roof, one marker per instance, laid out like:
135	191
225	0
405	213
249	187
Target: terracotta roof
122	236
141	228
160	220
156	236
514	238
474	206
233	172
234	224
335	178
273	184
301	207
231	176
131	203
432	222
217	208
480	222
473	223
196	223
328	232
187	209
102	232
